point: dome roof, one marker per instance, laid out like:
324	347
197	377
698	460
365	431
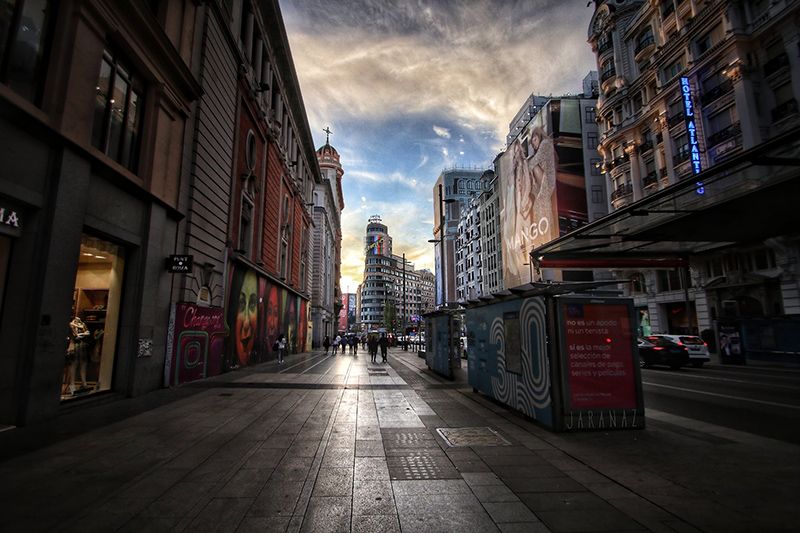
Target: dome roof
329	150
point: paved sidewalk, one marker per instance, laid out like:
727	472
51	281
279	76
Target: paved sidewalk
340	444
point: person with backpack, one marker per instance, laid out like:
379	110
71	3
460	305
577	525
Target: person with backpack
326	344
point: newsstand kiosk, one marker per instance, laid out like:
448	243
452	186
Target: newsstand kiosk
564	354
443	341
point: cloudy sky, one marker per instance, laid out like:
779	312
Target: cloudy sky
410	87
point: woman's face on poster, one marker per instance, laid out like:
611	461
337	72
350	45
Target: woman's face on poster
535	141
247	317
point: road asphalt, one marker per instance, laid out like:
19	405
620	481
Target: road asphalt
336	443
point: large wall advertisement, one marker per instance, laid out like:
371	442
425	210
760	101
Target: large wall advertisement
257	313
543	183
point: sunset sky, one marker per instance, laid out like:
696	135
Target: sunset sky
412	87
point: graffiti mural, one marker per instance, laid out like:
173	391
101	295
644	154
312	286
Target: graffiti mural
195	345
258	311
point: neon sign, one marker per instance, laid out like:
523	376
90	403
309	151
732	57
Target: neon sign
691	127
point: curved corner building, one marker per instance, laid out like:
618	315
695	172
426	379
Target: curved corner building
378	287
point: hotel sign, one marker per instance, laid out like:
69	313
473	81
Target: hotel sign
691	125
10	223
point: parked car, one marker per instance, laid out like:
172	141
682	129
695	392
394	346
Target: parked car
698	349
660	351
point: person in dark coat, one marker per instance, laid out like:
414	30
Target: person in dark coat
372	344
326	344
384	344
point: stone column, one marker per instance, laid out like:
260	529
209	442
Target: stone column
636	172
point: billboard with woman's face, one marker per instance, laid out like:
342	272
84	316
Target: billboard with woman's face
258	311
543	194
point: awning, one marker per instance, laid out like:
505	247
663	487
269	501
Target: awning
749	198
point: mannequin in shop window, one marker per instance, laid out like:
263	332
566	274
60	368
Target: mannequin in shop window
78	353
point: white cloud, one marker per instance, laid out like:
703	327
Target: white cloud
441	132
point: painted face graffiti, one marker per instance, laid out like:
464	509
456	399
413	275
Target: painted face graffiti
246	317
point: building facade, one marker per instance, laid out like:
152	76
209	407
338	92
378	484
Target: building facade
452	192
327	238
95	162
685	86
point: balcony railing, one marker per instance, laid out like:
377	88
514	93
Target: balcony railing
643	43
675	119
650	179
720	90
680	157
724	134
607	74
621	191
605	46
786	109
775	64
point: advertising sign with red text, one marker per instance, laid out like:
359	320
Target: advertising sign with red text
598	345
196	343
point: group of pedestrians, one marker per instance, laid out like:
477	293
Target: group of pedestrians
341	344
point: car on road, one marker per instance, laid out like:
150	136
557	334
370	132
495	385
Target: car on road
698	349
660	351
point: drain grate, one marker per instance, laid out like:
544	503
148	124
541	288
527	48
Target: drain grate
421	466
477	436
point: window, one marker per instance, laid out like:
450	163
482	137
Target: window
708	40
673	69
24	26
590	115
117	112
597	194
591	141
285	229
246	221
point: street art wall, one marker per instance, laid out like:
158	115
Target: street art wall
195	343
257	312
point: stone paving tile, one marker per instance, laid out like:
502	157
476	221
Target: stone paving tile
493	494
471	466
334	482
276	499
291	469
149	524
515	460
430	486
421	466
482	479
245	483
373	498
528	472
264	458
524	527
375	524
303	448
369	448
545	484
155	483
368	432
338	457
221	514
177	501
562	501
513	511
442	512
370	468
259	524
327	514
577	520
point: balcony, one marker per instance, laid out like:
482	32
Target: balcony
680	157
645	44
607	74
784	110
604	46
777	63
622	191
650	180
712	94
724	134
675	119
667	9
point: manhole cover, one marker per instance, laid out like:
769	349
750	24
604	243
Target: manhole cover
421	466
472	437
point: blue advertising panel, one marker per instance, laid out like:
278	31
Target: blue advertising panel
439	344
508	358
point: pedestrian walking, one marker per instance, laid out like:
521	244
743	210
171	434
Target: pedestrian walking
384	344
336	342
371	348
364	342
326	344
281	348
354	340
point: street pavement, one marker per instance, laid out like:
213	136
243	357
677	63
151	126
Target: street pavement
335	443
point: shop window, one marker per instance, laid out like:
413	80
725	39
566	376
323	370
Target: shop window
91	346
118	112
24	35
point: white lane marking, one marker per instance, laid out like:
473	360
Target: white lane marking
712	378
728	396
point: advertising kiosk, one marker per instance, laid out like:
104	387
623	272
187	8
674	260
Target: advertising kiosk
442	342
563	354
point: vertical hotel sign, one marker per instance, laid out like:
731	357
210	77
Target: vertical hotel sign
691	129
